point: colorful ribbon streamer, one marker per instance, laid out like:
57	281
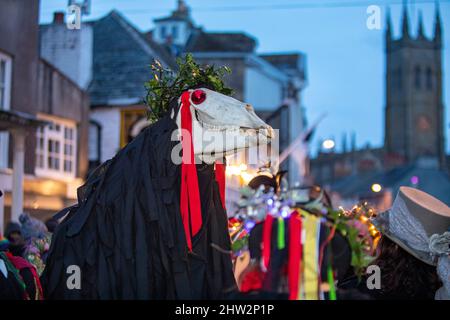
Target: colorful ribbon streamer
267	239
295	255
220	178
280	234
190	205
311	225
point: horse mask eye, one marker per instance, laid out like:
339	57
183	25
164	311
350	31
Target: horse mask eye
198	96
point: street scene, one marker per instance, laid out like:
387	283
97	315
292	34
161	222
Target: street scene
224	150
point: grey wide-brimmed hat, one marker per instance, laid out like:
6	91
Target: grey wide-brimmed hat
420	224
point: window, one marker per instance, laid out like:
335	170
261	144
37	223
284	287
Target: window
163	32
417	77
429	79
5	98
174	32
5	81
56	149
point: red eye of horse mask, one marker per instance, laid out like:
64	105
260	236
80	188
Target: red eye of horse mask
198	96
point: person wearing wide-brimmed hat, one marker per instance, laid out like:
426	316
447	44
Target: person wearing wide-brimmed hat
414	250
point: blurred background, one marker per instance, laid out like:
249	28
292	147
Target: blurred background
357	89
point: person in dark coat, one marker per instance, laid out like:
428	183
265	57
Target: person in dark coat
13	232
18	278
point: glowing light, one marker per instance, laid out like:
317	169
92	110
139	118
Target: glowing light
376	187
415	180
35	205
364	218
233	170
328	144
243	167
239	170
246	177
249	225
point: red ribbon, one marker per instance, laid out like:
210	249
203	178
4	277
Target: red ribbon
295	254
190	206
267	239
220	178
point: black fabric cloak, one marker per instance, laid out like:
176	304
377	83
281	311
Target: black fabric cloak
127	236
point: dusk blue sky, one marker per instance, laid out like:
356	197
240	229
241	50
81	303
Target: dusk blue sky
345	60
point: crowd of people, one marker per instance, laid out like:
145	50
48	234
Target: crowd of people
412	257
407	256
23	250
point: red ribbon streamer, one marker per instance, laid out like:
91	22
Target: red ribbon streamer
267	239
190	206
220	178
295	254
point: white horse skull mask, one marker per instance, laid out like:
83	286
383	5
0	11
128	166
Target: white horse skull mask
222	125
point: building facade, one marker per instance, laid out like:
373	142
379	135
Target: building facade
33	91
280	76
111	59
115	63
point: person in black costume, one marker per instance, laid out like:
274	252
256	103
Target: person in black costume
127	236
132	234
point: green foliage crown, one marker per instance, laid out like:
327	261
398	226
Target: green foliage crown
167	85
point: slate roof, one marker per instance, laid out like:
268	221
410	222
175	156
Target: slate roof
201	41
121	60
431	180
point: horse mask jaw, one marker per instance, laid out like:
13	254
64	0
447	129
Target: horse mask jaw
222	125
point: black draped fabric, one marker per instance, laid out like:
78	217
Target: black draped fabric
127	236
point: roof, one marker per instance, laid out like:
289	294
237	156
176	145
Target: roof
431	180
289	62
121	61
202	41
174	18
181	13
286	60
11	119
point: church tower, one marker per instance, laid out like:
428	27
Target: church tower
414	109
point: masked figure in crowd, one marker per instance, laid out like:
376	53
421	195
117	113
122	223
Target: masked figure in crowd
149	226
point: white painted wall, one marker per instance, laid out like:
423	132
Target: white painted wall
70	51
262	91
92	142
109	118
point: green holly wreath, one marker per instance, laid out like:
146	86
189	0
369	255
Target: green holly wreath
167	85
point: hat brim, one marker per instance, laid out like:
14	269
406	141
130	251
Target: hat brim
381	223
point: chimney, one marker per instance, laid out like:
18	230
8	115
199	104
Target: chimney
58	17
